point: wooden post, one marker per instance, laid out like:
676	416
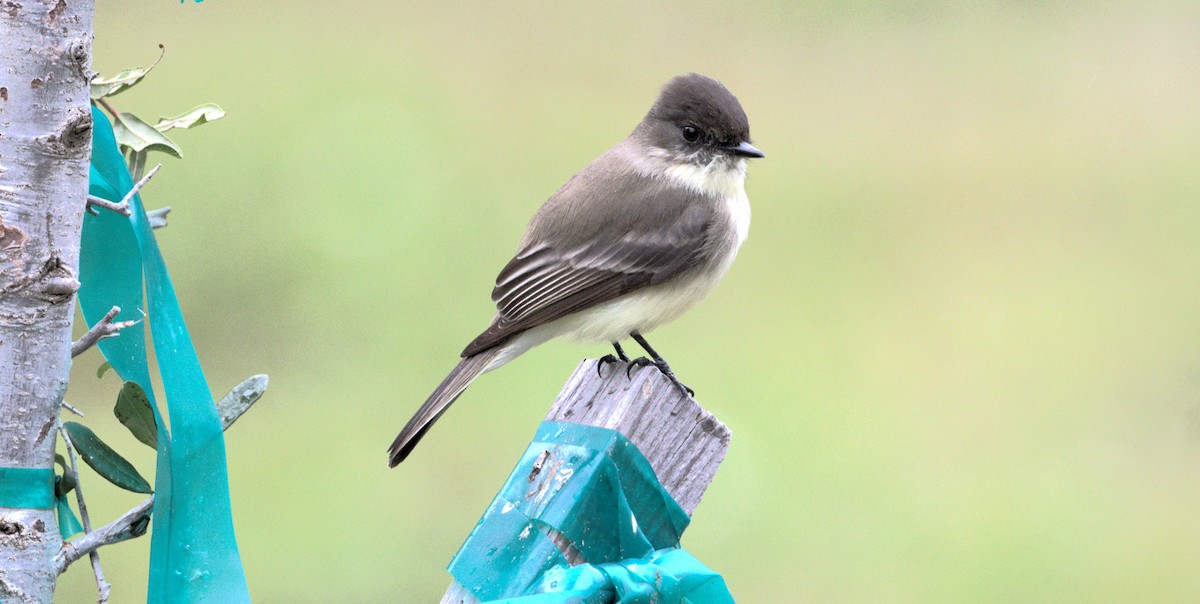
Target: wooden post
683	443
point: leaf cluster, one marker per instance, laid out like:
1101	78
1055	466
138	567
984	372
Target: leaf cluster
135	135
133	409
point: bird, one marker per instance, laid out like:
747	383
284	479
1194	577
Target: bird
631	242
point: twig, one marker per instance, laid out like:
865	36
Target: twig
108	107
104	328
134	523
93	202
101	585
137	165
72	409
131	525
139	184
121	207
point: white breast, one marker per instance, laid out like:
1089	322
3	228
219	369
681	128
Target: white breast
724	180
647	308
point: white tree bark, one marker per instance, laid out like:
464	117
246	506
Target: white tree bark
45	143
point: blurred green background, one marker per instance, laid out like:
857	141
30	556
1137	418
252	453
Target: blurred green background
959	352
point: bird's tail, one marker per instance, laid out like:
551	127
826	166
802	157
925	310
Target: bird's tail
446	393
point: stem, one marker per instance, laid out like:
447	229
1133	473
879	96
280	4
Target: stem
109	108
93	201
104	328
101	585
138	167
130	525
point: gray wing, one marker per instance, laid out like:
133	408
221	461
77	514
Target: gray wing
660	232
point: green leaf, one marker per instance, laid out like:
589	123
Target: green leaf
203	114
104	460
133	133
234	404
134	412
122	81
103	369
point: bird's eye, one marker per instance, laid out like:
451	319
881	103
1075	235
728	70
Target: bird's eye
691	133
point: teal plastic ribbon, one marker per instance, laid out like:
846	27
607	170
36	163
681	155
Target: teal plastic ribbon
68	524
666	576
193	551
33	488
593	486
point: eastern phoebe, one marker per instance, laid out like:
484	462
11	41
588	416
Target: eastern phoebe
629	243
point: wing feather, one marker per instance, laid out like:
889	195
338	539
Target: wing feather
659	232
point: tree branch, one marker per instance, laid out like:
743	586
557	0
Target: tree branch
120	207
94	202
101	585
104	328
131	525
108	107
135	522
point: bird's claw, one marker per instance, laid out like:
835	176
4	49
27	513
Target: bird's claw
662	368
638	362
605	360
674	380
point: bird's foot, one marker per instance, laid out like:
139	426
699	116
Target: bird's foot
661	363
608	358
604	361
663	368
638	362
674	380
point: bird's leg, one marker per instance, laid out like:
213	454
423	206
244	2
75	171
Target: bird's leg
620	352
608	358
659	362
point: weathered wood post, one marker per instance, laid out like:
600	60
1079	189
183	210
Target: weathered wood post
683	443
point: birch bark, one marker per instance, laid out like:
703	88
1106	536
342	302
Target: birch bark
45	143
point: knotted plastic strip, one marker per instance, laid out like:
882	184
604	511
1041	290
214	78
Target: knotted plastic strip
666	576
594	487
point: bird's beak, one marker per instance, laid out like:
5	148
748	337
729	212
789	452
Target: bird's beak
745	149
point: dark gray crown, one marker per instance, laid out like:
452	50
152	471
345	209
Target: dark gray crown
705	103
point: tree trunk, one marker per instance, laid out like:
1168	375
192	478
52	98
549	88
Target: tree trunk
45	144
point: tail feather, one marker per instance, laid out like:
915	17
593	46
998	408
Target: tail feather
446	393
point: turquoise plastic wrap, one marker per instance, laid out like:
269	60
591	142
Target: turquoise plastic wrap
27	488
33	488
665	577
68	524
593	486
193	551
